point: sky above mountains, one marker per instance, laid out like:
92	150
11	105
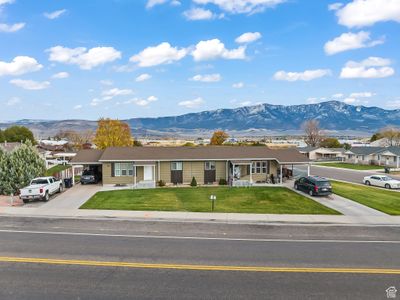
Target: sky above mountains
136	58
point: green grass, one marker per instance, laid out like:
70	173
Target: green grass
379	199
350	166
271	200
56	169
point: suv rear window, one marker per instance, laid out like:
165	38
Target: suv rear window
323	183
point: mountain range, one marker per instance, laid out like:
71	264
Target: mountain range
334	116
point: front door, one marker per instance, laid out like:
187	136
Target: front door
148	173
176	172
209	172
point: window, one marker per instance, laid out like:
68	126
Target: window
209	165
259	167
176	166
123	169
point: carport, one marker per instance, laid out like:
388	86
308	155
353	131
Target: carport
88	159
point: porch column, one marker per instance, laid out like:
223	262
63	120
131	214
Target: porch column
251	173
134	177
158	171
227	171
281	174
398	163
73	175
154	175
308	170
233	174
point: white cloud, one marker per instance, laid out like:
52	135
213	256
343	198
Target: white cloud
60	75
152	3
248	37
349	41
11	28
337	96
359	13
245	103
372	67
158	55
2	2
79	106
142	102
106	82
84	58
312	100
350	100
19	65
305	76
114	92
213	49
362	95
241	6
30	84
238	85
143	77
335	6
96	101
207	78
192	103
395	104
197	13
55	14
13	101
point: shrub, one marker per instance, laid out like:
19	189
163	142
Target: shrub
161	183
194	182
222	181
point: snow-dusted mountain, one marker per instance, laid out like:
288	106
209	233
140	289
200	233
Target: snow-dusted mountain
333	115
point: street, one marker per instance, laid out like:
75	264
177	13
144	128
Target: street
110	259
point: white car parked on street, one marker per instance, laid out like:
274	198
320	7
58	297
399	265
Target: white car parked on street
382	181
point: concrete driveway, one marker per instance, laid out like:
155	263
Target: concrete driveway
72	198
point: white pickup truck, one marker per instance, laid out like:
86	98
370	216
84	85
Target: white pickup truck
41	188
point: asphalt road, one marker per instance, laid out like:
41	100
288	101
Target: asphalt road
88	259
343	174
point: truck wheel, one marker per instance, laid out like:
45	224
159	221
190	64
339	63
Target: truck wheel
25	201
46	197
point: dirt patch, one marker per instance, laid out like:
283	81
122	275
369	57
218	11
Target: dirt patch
6	201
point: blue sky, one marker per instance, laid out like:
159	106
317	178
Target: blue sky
136	58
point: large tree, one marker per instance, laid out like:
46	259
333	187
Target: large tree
219	137
19	167
112	133
330	143
312	133
17	134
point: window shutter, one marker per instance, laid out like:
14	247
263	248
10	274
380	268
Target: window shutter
112	169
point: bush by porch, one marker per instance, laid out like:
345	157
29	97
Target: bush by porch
264	200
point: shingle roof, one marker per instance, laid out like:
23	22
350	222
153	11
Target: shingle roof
307	149
87	156
366	150
393	149
191	153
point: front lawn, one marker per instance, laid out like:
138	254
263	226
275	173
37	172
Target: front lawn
350	166
263	200
56	169
379	199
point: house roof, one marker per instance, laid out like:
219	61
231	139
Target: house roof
307	149
366	150
289	155
87	156
393	149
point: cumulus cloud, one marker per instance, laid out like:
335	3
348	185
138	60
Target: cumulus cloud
395	104
359	13
192	103
11	28
142	102
84	58
55	14
213	49
143	77
61	75
305	76
152	3
19	65
362	95
106	82
241	6
337	96
164	53
372	67
349	41
30	84
197	13
238	85
248	37
207	78
2	2
114	92
13	101
335	6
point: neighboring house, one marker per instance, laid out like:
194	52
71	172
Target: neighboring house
383	156
321	153
144	166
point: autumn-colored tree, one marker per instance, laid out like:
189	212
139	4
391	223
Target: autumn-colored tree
392	134
312	133
219	137
112	133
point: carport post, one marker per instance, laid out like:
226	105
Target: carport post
134	177
308	170
73	175
281	174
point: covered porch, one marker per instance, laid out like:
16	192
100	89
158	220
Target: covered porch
145	175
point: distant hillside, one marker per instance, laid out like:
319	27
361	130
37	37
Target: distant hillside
333	116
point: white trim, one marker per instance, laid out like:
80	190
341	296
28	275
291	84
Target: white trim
205	159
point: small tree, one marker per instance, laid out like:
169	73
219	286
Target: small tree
112	133
330	143
312	133
219	137
194	182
